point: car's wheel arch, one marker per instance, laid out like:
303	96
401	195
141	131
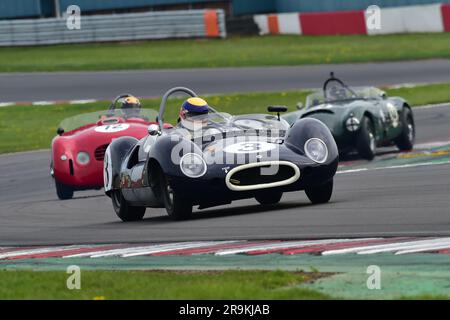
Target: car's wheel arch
114	156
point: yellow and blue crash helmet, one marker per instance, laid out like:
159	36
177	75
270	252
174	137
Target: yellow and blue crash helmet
193	107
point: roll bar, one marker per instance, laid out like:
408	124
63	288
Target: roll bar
166	96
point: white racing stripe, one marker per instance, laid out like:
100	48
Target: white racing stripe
283	245
186	246
38	251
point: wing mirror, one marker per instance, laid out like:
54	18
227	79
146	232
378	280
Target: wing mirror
277	109
60	131
153	130
300	106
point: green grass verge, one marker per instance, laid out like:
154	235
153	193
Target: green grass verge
33	127
231	52
158	285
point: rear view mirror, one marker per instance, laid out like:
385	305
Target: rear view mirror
277	109
153	130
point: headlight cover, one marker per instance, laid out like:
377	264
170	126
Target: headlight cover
83	158
193	165
316	150
352	124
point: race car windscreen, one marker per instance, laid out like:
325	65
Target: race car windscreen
199	121
92	118
340	93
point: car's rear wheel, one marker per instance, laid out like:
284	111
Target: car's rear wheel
405	141
320	194
177	206
64	192
365	141
268	198
124	210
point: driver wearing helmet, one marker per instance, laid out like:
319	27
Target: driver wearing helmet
337	93
131	107
194	114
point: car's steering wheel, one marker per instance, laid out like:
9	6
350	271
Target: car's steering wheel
113	105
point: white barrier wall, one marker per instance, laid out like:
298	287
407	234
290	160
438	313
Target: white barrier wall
425	18
408	19
289	23
263	25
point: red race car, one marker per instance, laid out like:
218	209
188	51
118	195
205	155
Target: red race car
79	148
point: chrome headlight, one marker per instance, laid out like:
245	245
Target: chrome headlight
352	124
316	150
193	165
83	158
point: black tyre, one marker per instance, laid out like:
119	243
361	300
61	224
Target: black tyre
177	206
63	191
365	141
269	198
405	140
320	194
124	210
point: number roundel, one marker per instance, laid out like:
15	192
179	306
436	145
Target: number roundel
250	147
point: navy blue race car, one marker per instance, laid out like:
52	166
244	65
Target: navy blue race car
211	158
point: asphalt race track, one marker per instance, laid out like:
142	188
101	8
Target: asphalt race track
388	202
106	85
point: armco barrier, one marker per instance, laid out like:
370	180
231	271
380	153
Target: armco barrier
420	18
119	27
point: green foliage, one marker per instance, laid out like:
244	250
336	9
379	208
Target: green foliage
231	52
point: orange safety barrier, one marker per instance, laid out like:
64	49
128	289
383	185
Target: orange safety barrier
211	24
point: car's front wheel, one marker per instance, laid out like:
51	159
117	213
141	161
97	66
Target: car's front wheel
365	141
64	192
124	210
320	194
405	140
268	198
177	206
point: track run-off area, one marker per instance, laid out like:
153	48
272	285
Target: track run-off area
396	195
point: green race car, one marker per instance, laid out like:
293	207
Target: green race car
360	118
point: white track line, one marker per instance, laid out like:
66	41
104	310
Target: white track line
84	101
43	103
186	246
423	164
39	250
126	251
108	251
398	247
426	248
431	106
381	247
282	245
7	104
